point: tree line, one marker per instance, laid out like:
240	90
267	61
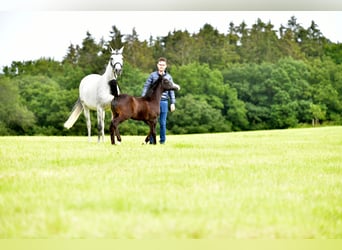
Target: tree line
248	78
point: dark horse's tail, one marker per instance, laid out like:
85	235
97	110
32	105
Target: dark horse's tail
114	87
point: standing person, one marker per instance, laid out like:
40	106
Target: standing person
166	96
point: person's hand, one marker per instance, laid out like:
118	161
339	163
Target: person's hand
172	107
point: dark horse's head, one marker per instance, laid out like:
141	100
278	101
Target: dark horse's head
164	84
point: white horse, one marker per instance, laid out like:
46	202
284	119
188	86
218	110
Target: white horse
95	94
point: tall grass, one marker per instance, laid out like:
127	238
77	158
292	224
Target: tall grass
260	184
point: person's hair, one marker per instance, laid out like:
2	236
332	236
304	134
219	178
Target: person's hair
162	59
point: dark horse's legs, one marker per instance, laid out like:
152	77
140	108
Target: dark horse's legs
114	130
118	136
111	130
152	133
147	139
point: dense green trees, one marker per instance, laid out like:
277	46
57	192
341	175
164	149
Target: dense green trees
250	78
15	118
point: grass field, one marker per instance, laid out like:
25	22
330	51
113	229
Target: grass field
260	184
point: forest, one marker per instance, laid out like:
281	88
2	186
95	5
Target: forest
249	78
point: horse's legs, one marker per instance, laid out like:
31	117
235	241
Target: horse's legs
116	126
87	116
100	123
152	132
112	131
147	139
153	128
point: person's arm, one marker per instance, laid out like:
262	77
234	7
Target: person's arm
147	84
172	96
172	100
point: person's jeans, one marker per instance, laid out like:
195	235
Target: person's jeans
164	108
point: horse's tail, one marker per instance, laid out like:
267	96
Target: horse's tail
75	113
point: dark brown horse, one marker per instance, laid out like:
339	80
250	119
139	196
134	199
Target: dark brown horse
146	108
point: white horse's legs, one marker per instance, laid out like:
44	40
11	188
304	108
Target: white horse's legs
103	125
87	116
100	122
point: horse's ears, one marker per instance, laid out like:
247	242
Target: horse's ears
115	51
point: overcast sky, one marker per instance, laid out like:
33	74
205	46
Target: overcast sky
30	35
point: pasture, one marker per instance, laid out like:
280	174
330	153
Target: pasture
258	184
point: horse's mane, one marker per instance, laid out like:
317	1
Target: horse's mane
113	84
152	87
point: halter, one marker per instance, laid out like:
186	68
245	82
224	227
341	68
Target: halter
115	64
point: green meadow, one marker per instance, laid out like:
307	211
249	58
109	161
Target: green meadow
245	185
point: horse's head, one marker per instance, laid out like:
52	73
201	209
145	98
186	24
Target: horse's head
162	84
116	61
168	85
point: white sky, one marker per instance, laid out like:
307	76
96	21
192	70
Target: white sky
30	35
